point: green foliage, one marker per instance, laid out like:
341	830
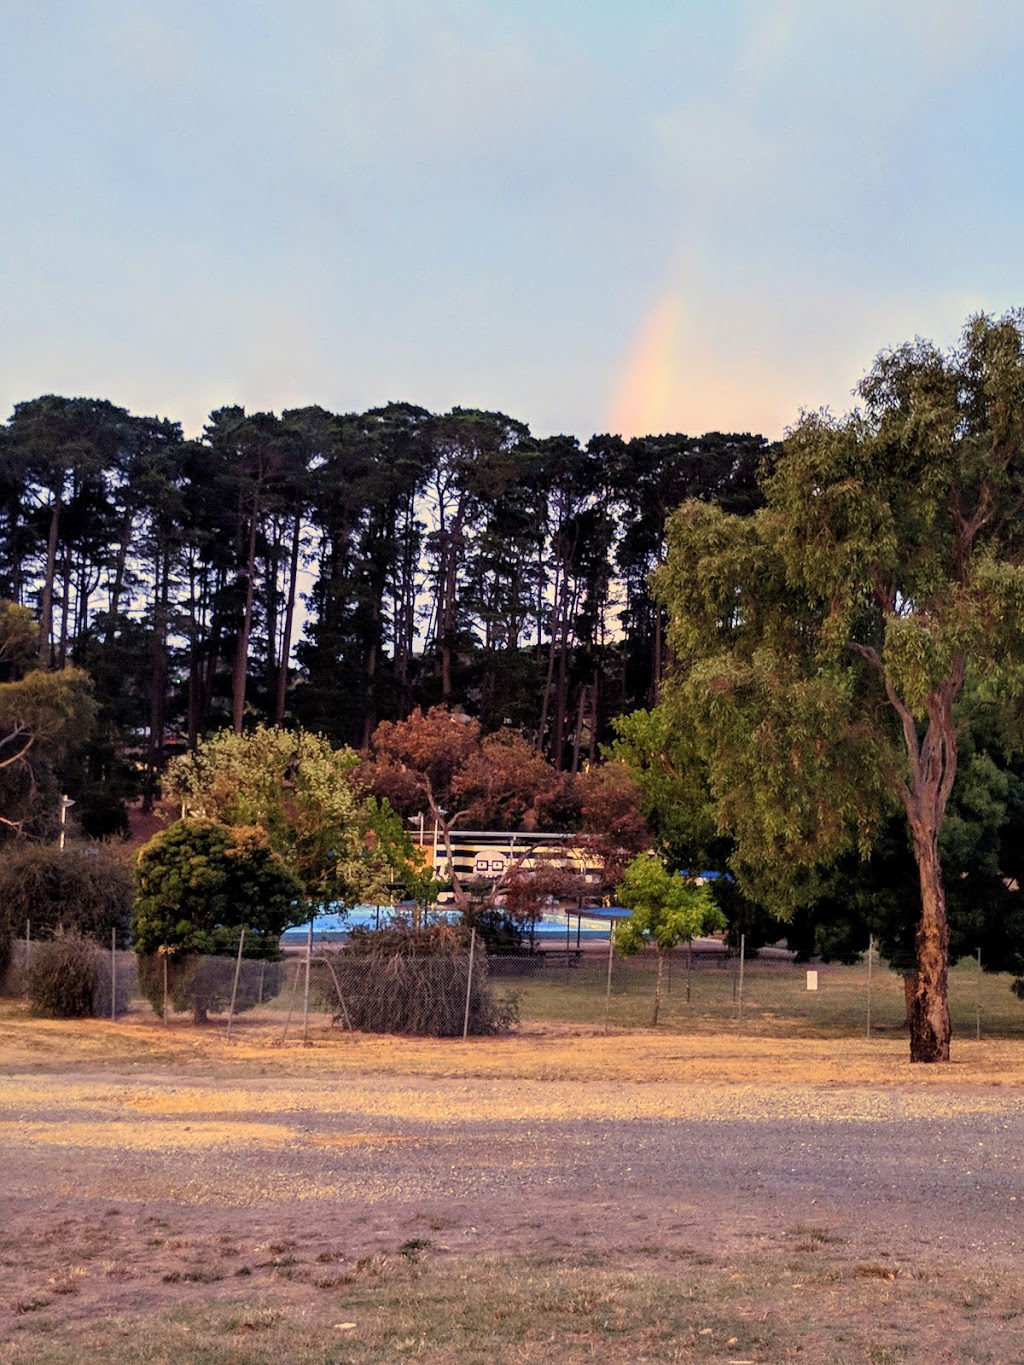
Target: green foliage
19	641
303	793
44	718
62	977
666	910
885	558
676	802
198	878
74	890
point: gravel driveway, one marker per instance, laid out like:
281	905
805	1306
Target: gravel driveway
369	1162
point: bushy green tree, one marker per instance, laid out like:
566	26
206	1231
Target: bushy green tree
304	794
198	881
825	641
666	910
198	877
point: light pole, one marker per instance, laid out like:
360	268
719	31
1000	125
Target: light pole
65	805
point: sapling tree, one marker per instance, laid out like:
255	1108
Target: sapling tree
198	881
665	910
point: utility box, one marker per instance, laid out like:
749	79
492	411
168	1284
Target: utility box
812	981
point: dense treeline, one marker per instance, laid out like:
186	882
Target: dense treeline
337	570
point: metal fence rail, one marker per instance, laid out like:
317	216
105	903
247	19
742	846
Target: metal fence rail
441	995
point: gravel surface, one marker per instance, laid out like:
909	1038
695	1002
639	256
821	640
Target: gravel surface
370	1161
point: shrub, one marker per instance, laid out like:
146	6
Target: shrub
62	977
414	981
198	878
74	890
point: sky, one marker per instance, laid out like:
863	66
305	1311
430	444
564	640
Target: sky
592	215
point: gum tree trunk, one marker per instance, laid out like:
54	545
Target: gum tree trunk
924	794
929	1006
932	760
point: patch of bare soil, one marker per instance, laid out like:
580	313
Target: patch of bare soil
146	1169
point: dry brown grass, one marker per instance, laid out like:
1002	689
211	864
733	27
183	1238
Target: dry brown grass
199	1258
537	1052
820	1309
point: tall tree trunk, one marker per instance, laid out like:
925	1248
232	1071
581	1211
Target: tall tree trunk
446	612
157	679
272	564
932	761
46	603
924	793
561	691
545	707
240	671
577	739
929	1008
595	702
65	613
117	587
289	619
370	714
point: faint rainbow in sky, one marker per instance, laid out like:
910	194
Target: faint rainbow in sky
648	392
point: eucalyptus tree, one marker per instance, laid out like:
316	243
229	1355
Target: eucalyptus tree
824	642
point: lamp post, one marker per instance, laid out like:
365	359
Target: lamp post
65	805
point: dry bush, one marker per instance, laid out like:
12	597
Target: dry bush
62	978
414	981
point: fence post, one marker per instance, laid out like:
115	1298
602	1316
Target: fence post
689	967
113	976
165	990
871	953
291	1002
305	989
739	987
469	982
234	984
608	984
977	1003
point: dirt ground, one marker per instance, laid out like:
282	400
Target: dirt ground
144	1165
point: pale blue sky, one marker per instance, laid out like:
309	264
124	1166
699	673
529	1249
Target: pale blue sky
644	215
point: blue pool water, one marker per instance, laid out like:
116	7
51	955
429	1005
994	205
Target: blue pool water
334	925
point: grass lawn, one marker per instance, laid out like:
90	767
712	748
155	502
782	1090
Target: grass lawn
776	1001
815	1305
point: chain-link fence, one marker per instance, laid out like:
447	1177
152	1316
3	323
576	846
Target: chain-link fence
444	995
767	993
